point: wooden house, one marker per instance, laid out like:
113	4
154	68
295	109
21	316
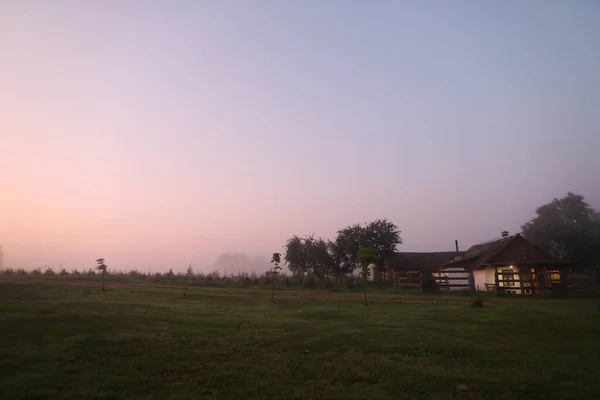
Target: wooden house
513	265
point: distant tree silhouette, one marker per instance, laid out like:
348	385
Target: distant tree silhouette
188	274
100	266
566	228
382	235
340	257
309	254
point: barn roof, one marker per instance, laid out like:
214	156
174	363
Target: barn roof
417	260
482	253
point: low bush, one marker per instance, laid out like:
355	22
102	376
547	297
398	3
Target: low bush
477	302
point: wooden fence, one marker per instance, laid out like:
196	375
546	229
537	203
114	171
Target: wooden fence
410	280
452	279
445	279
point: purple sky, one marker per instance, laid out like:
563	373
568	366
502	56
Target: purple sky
158	133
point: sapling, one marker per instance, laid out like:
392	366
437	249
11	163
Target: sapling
275	260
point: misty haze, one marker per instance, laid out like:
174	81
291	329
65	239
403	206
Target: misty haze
299	200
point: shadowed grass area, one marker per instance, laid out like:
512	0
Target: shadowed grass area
77	342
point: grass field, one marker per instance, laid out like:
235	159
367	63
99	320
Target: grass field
142	342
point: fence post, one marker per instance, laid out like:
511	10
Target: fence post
471	281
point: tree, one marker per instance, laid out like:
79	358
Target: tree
170	274
296	255
100	266
382	235
309	254
366	257
566	228
319	259
345	249
275	260
188	274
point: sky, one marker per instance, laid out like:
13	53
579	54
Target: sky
162	133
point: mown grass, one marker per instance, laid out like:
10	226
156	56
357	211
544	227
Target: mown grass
77	342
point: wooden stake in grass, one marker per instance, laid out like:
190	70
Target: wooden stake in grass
100	266
366	257
275	260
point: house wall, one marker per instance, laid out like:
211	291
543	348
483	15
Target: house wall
517	285
481	279
488	275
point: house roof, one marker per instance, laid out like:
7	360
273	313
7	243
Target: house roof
485	251
482	253
415	261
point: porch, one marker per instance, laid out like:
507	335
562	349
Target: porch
524	278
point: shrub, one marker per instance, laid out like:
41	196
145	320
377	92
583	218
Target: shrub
477	302
350	282
428	284
310	281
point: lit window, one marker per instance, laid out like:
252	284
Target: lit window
508	277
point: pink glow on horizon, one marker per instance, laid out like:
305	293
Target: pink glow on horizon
159	135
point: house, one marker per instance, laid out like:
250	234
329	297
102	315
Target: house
406	269
512	265
409	261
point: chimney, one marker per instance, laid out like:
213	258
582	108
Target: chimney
457	253
504	234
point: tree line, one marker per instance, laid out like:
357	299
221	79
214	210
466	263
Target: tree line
567	228
340	256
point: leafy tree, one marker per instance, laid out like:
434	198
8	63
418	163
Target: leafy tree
275	260
319	259
100	266
296	255
382	235
366	256
309	254
566	228
345	249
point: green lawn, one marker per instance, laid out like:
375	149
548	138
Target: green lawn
77	342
